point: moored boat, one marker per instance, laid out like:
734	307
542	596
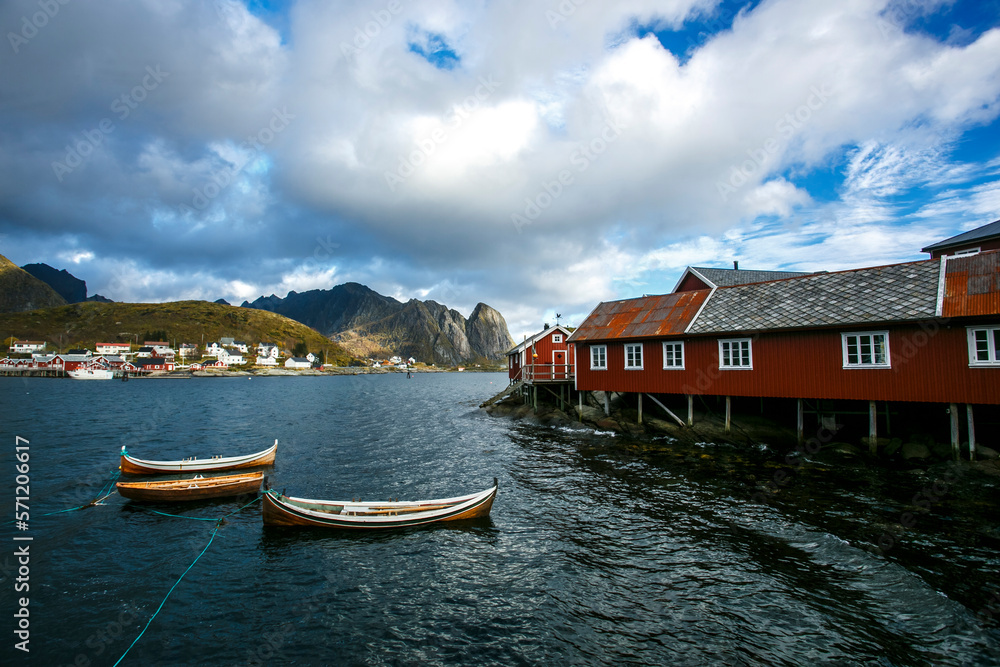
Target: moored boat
133	466
281	510
196	488
91	374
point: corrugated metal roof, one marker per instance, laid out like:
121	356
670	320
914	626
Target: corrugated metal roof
972	285
644	317
898	292
979	233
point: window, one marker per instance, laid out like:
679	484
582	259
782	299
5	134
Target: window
633	356
734	353
866	349
598	357
556	338
673	356
984	346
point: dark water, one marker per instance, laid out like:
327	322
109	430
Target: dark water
596	552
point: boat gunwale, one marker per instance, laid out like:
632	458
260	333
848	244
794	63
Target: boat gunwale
195	465
200	482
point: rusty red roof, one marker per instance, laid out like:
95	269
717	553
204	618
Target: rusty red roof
643	317
972	285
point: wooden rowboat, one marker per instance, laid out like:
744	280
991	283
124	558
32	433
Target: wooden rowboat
280	510
196	488
134	466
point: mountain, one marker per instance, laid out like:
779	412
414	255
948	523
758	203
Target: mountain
20	291
199	322
68	286
369	324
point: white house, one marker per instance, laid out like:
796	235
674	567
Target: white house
230	356
267	350
113	348
299	362
266	361
188	350
25	346
212	349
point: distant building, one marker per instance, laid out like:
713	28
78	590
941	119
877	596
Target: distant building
188	350
113	348
980	239
267	350
298	363
27	346
231	357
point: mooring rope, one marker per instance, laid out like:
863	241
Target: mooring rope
215	530
106	491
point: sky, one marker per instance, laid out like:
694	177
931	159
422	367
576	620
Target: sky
540	156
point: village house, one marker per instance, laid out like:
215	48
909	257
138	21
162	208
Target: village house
230	356
151	364
187	350
545	356
919	332
27	346
300	362
113	348
267	350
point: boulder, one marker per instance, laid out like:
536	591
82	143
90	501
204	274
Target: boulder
590	414
986	453
915	450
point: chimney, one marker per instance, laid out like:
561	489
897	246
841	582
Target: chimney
736	265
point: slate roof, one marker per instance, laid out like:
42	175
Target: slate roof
729	277
992	230
644	317
899	292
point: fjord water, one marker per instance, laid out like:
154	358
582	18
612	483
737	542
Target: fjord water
595	553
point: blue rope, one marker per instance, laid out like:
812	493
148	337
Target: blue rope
105	491
218	524
214	531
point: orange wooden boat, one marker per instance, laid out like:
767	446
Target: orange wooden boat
133	466
280	510
196	488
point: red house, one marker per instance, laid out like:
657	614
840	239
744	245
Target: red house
982	238
925	331
544	357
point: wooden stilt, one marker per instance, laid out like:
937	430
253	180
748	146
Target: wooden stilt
729	414
955	444
972	432
535	399
872	428
607	404
665	409
580	411
640	407
690	410
799	422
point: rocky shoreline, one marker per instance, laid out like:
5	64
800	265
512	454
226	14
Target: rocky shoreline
285	372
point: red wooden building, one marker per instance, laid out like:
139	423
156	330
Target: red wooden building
543	357
925	331
982	238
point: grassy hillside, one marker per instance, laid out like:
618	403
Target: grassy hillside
21	291
198	322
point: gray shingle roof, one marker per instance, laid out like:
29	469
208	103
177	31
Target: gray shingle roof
729	277
898	292
986	231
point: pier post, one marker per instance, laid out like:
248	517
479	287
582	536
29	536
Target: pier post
872	428
607	404
535	398
729	413
640	407
690	409
799	422
955	444
579	412
972	432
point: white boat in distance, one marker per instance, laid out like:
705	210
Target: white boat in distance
91	374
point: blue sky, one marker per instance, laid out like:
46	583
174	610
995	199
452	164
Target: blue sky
539	156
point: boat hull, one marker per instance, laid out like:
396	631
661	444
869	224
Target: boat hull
134	466
88	374
280	510
201	488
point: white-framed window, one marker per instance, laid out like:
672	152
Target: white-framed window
556	338
633	356
735	353
984	346
598	357
866	349
673	356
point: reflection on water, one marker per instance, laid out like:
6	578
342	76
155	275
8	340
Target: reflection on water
598	551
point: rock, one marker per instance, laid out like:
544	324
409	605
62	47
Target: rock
915	450
986	453
893	446
942	450
590	414
608	424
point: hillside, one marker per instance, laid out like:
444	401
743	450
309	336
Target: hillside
369	324
199	322
20	291
66	285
